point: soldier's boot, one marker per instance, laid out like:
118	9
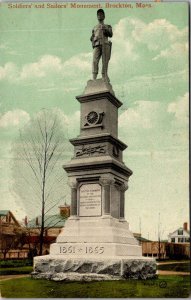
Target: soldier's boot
94	76
105	77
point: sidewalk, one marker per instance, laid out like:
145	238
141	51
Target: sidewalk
172	262
164	272
8	277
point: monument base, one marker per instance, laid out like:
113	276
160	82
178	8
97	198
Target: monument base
98	86
94	248
57	268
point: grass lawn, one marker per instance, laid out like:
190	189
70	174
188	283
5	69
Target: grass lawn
164	286
16	270
183	267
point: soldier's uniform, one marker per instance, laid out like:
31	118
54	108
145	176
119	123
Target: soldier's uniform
100	34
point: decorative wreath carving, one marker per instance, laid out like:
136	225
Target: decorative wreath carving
93	118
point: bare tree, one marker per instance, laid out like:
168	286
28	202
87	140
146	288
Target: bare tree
40	152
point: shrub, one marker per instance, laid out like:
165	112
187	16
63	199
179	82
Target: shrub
15	263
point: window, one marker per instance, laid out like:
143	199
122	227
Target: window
172	240
180	231
180	240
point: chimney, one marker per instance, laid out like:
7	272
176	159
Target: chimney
65	210
37	221
185	226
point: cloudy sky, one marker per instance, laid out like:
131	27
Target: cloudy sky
45	61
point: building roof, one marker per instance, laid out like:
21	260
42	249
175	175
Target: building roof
142	239
4	212
180	228
51	221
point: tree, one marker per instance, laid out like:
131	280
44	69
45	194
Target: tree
39	155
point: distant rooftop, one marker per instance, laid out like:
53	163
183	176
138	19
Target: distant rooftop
50	221
3	212
142	239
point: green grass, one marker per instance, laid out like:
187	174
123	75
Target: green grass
176	287
16	270
183	267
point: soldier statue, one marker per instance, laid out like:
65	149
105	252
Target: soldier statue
101	45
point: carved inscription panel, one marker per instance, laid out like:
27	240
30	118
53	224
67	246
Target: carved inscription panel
76	249
90	200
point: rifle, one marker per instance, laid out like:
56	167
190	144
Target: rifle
103	53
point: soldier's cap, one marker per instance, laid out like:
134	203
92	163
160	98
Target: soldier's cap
100	11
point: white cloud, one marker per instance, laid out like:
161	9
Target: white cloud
163	40
136	42
79	62
45	65
157	34
123	45
69	122
14	118
180	109
176	50
142	115
9	71
48	65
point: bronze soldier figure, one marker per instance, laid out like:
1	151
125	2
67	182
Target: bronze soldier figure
101	45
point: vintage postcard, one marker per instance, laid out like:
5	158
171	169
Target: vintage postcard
94	157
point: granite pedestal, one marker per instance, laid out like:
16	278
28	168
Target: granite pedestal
96	242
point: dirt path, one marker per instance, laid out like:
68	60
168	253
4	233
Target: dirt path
8	277
164	272
172	262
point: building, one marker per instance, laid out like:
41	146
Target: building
16	240
140	238
180	235
151	248
166	249
53	225
11	236
154	249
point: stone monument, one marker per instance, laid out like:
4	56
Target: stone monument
96	243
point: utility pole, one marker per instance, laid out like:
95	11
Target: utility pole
159	254
140	225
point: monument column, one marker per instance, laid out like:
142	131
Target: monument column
123	188
74	208
106	182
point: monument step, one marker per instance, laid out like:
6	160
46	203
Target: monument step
58	268
98	239
109	230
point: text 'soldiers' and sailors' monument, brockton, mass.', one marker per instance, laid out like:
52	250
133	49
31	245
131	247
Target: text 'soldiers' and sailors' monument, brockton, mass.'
74	5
